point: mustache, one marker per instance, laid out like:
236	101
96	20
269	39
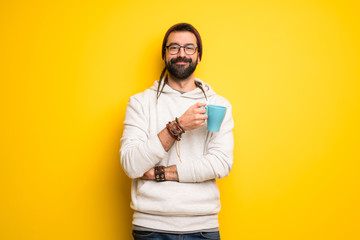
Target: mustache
181	59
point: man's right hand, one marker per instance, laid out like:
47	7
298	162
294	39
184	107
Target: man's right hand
194	117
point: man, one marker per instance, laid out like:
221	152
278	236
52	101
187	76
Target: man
169	153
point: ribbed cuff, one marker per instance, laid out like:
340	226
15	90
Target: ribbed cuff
185	172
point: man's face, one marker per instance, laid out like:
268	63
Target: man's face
181	65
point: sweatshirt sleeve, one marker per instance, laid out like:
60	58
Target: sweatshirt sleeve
217	160
139	150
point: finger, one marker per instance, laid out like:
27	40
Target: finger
201	116
199	104
200	122
200	110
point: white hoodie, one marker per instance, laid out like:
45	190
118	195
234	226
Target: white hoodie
193	202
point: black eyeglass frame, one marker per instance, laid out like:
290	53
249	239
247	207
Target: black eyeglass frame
179	47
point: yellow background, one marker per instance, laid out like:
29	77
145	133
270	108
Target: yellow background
291	69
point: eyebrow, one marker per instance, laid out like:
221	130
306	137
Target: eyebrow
172	43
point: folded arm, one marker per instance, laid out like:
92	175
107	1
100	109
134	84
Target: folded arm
216	162
139	151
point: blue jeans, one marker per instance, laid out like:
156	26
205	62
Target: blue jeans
141	235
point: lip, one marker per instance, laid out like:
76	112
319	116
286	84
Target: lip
181	63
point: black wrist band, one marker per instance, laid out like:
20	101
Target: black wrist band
160	174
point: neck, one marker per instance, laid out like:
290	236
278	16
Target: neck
183	85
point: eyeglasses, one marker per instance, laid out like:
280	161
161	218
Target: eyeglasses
189	49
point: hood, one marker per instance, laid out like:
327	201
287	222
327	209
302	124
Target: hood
194	94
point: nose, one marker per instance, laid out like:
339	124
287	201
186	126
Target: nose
181	52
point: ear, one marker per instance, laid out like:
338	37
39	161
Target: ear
198	59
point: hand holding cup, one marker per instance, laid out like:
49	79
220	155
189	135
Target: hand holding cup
194	117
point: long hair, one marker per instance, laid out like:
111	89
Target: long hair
158	92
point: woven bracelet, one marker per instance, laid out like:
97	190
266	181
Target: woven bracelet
177	121
172	133
175	130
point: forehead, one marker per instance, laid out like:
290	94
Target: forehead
181	38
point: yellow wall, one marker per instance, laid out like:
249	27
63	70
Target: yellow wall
290	68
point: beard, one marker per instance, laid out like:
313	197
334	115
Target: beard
181	72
